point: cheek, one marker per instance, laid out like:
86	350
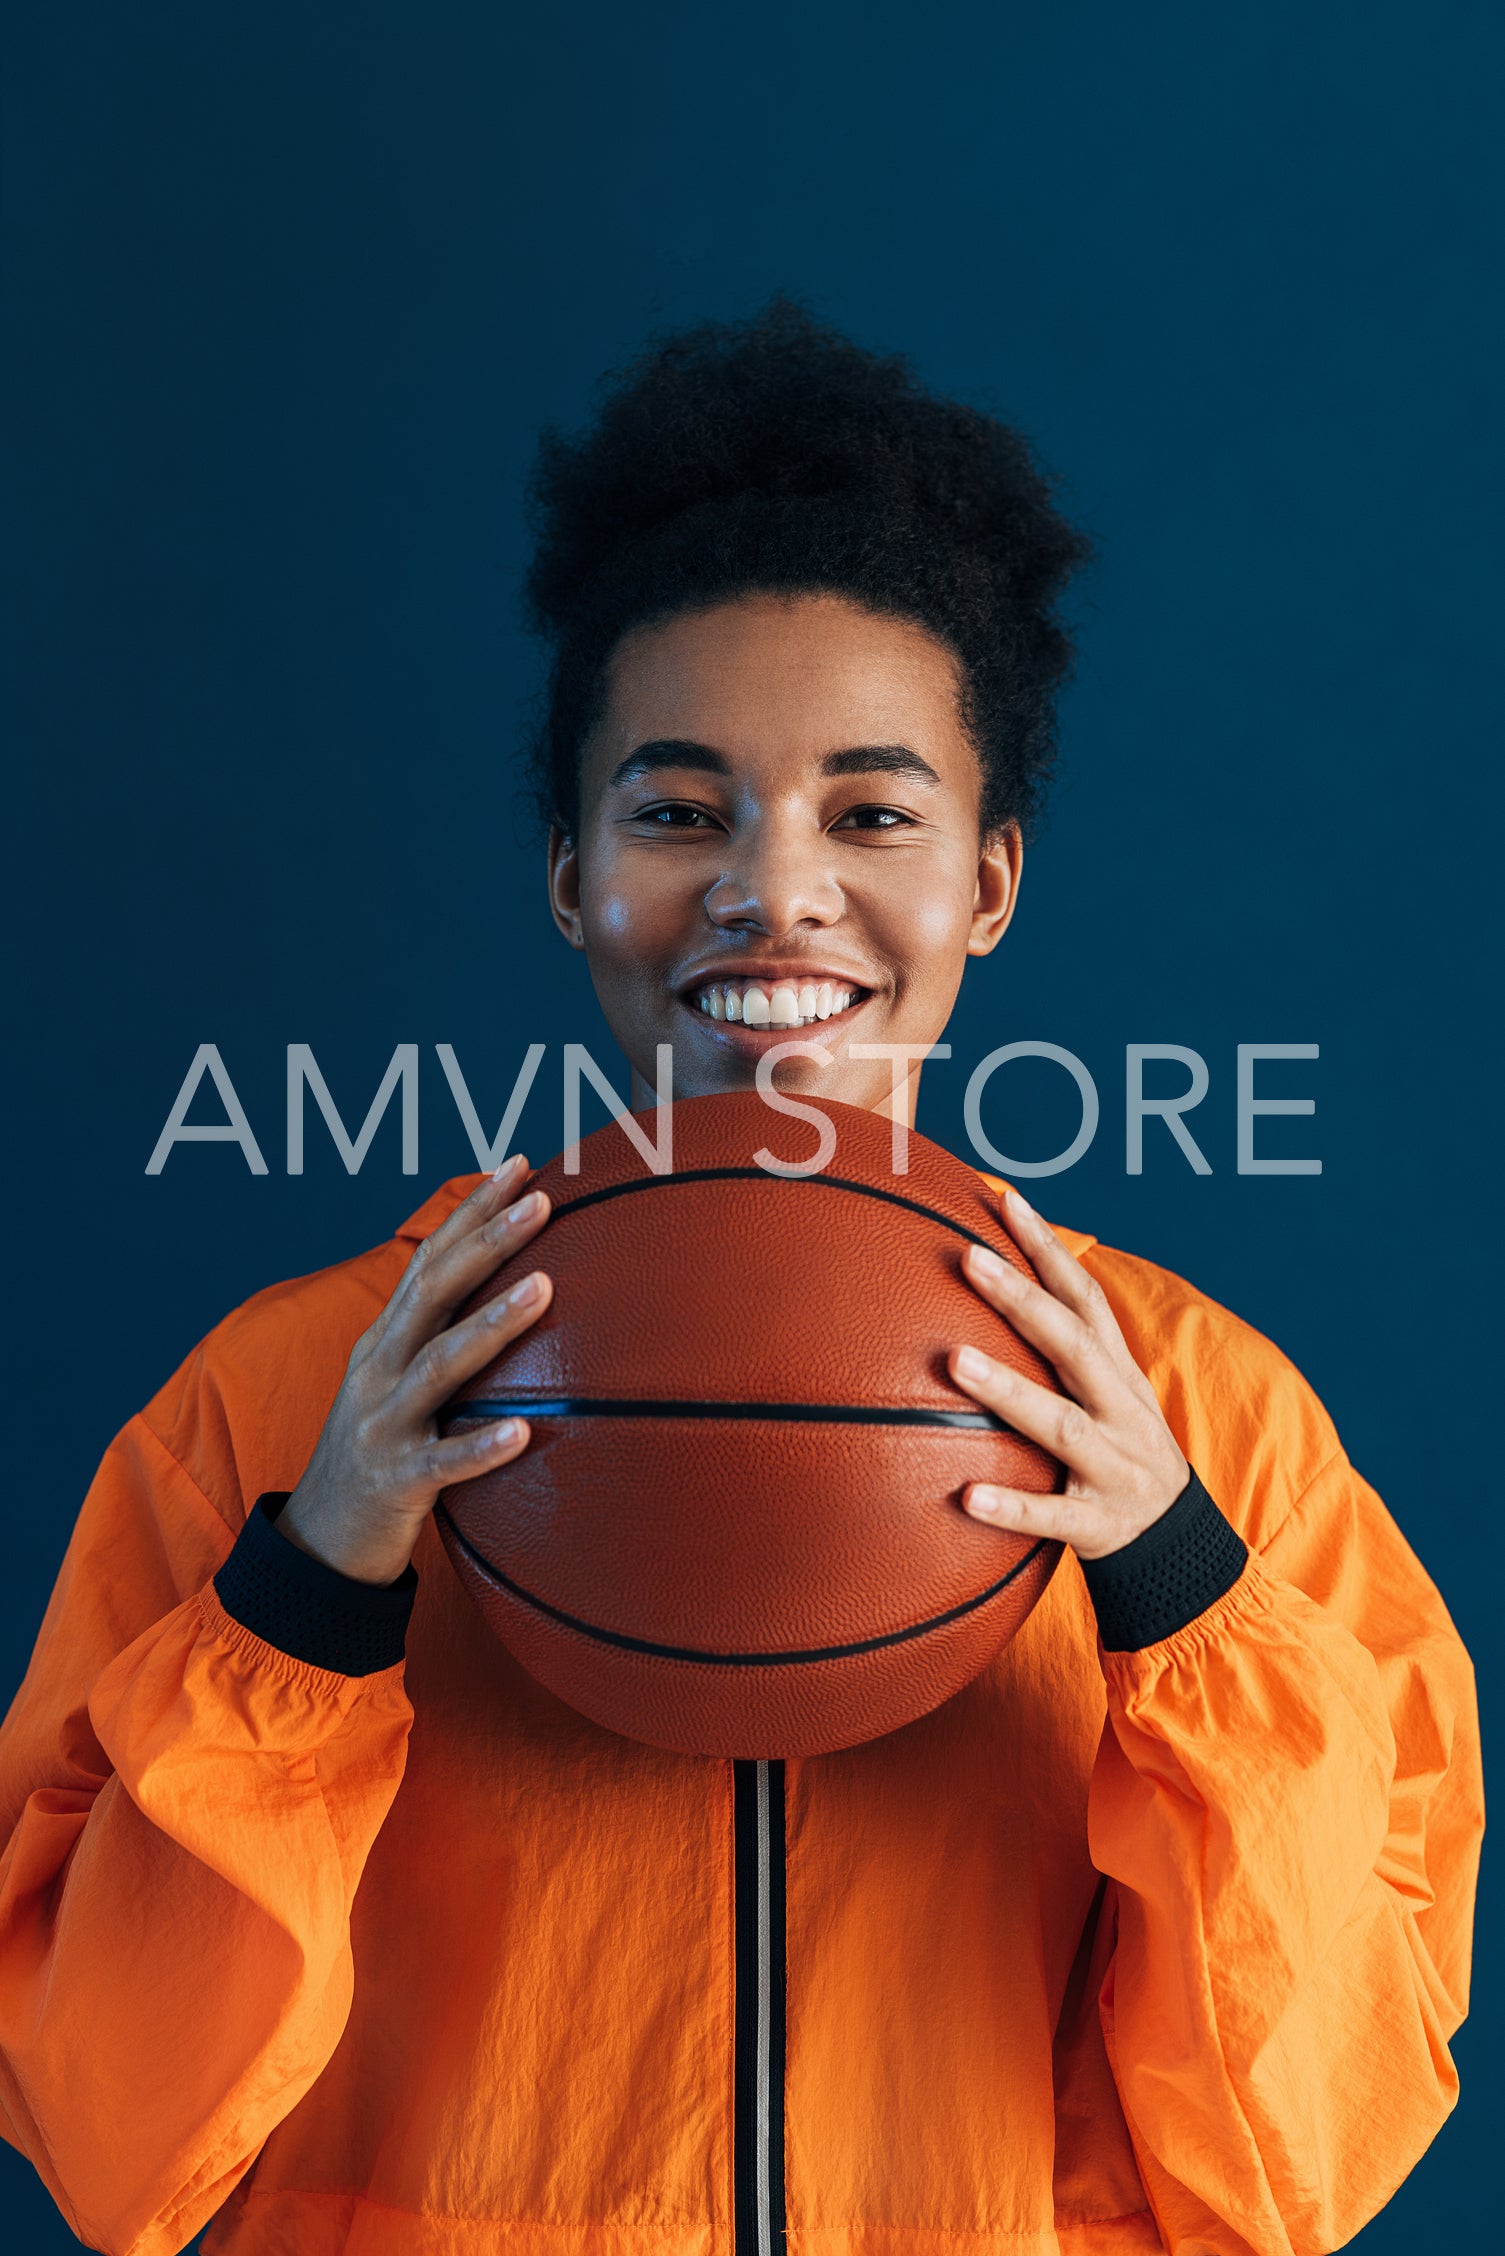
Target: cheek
940	920
929	922
628	922
610	904
613	916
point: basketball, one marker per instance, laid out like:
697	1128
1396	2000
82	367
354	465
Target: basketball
737	1529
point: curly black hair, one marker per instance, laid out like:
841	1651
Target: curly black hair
775	455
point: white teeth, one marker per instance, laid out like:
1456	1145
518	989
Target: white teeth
786	1004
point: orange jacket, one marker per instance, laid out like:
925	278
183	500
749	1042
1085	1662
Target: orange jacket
1115	1951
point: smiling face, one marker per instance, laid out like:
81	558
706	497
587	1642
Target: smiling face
779	842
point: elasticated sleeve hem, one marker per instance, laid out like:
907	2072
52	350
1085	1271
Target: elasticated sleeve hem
1183	1563
308	1610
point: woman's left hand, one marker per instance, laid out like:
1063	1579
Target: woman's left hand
1124	1466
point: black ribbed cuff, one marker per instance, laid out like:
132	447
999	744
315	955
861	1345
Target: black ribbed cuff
307	1610
1182	1564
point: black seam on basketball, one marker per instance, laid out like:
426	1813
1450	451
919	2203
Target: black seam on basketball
737	1660
764	1175
778	1413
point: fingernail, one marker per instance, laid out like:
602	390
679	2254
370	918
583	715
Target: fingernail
1018	1199
525	1208
503	1435
982	1503
984	1262
508	1167
971	1363
529	1289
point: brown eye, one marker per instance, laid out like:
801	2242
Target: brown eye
676	815
872	818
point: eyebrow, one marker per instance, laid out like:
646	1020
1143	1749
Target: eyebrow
662	752
878	759
669	752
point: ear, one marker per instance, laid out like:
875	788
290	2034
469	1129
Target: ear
564	885
999	869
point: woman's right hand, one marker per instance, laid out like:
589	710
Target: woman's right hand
379	1463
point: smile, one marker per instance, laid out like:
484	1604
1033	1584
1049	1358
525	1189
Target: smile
769	1002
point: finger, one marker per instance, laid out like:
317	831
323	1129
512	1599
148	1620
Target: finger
490	1195
1053	1420
1064	1276
475	1447
445	1362
1065	1339
1059	1271
1059	1519
484	1201
450	1273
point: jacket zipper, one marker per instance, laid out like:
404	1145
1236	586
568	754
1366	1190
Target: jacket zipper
758	2041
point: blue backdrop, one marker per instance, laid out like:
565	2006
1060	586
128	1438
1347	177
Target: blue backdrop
292	290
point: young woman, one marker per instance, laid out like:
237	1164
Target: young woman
318	1908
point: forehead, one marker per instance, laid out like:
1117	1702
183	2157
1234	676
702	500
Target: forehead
797	675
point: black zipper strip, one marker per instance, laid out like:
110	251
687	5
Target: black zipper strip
758	2040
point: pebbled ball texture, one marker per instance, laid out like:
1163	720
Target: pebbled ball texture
736	1530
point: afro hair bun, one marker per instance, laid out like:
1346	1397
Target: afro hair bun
774	454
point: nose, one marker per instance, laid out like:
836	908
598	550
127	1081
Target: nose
776	877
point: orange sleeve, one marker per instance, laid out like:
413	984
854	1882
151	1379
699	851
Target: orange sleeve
187	1813
1287	1803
